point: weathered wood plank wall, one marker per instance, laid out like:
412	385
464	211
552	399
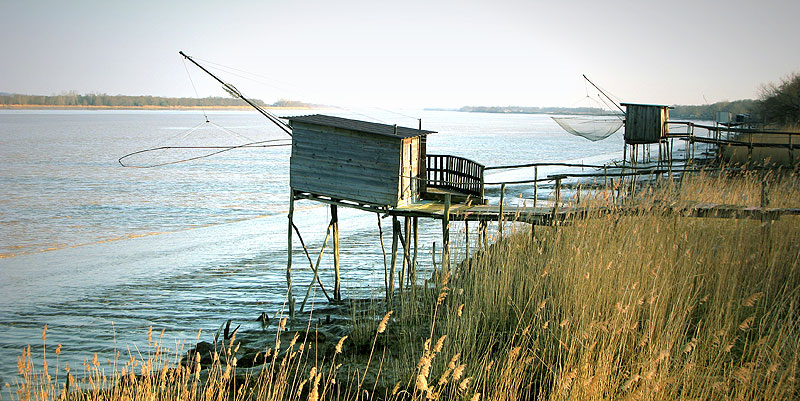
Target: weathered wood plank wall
351	165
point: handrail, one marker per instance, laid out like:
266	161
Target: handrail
454	173
732	129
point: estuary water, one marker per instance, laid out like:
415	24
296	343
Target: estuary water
99	253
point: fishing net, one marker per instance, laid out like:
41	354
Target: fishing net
593	128
199	142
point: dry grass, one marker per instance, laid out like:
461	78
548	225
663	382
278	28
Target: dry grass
655	306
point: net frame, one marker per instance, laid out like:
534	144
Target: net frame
593	128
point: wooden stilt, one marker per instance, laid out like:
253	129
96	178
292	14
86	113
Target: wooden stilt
659	154
669	159
557	200
433	258
624	161
403	245
466	238
484	228
535	184
446	235
395	236
337	286
415	228
406	274
289	297
500	215
315	268
385	266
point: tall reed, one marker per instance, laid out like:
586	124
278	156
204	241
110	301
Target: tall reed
654	305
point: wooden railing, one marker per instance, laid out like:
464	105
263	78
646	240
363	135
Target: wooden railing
455	173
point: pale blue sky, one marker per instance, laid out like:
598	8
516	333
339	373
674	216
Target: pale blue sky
405	53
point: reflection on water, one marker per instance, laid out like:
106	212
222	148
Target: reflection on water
99	252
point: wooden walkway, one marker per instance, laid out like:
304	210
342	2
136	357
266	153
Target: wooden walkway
547	215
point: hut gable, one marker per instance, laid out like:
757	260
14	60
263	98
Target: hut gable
355	160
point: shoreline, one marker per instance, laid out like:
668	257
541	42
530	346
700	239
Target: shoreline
88	107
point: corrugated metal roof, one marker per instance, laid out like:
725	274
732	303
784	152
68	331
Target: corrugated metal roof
358	125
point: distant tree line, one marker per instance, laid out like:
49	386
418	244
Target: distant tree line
780	103
709	111
104	100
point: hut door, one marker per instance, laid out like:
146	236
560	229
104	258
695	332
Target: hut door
409	170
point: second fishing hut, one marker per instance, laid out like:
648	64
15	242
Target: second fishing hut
645	124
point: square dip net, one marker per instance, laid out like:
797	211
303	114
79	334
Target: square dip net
593	128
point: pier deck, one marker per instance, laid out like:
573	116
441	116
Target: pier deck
547	215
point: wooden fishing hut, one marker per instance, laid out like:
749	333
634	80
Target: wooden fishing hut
645	124
379	168
360	161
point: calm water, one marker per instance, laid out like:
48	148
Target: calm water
99	252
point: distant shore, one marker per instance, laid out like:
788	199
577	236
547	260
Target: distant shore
149	107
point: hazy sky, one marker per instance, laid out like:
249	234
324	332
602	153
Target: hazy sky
405	53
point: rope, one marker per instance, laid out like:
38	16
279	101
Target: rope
195	88
180	136
259	144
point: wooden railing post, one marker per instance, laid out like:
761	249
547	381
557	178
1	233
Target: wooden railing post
557	199
535	184
500	216
446	235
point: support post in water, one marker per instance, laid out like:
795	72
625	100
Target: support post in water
407	251
392	265
415	228
446	235
314	267
535	184
557	199
485	234
466	238
290	298
337	285
385	267
500	215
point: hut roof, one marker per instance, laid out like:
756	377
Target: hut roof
646	104
361	126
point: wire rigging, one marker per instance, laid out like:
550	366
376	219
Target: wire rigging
289	87
197	95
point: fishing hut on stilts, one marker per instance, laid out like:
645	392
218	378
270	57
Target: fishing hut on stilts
377	168
645	124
